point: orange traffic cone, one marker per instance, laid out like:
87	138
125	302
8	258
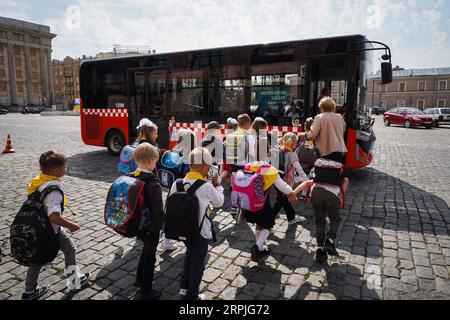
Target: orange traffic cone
8	147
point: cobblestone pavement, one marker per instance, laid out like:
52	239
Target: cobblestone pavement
394	238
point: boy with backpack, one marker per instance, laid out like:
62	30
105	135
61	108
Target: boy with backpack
292	173
47	184
236	144
327	199
187	218
146	157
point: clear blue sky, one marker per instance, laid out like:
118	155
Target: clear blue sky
417	30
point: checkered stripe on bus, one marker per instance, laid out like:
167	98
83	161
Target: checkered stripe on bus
201	128
108	113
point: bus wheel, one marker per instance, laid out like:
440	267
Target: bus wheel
115	142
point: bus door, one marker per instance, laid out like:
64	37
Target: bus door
328	75
149	99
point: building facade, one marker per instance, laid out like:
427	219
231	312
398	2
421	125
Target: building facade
25	64
415	88
66	79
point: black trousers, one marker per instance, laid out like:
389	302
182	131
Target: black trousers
146	266
283	202
325	204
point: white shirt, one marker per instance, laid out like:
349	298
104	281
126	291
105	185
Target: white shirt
336	190
282	186
206	194
52	203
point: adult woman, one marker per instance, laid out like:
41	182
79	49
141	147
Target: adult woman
327	131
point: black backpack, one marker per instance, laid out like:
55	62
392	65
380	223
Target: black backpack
328	171
181	219
33	239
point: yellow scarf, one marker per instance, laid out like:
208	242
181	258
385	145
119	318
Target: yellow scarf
269	176
195	176
40	180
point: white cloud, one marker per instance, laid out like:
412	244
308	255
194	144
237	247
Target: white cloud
174	25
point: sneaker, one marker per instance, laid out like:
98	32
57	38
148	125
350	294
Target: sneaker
84	281
295	221
254	252
38	293
153	295
263	254
330	248
200	297
183	292
321	256
168	246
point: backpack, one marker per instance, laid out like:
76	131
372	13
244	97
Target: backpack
127	163
32	237
123	208
182	207
172	166
328	171
307	155
286	170
236	144
248	190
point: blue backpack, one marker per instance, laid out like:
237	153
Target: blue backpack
172	166
123	208
127	163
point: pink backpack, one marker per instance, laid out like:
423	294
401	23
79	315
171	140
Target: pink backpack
248	190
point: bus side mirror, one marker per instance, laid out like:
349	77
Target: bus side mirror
386	72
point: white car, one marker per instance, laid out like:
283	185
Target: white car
440	115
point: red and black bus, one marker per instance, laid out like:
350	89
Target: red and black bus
175	90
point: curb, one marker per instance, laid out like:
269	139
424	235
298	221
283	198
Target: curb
60	113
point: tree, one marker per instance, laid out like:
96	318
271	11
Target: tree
398	68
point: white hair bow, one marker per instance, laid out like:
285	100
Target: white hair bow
146	123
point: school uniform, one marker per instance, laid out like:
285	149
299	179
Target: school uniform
150	235
265	218
197	249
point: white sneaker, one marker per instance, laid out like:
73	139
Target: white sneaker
183	292
295	221
201	297
169	246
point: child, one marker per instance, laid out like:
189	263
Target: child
293	174
236	143
237	147
148	132
326	200
213	142
53	168
226	168
264	219
200	161
186	142
146	157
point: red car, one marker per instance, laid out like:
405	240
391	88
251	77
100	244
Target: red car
408	117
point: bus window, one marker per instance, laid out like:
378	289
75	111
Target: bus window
272	96
147	93
109	88
187	96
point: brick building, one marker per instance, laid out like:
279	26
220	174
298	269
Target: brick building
416	88
25	64
66	79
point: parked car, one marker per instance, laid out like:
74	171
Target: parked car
3	111
31	109
408	117
440	115
378	110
